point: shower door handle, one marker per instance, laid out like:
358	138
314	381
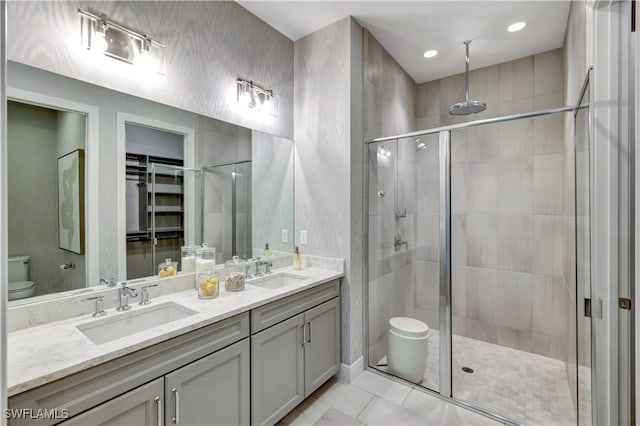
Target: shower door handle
587	307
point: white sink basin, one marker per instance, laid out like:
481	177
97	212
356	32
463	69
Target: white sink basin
276	281
134	321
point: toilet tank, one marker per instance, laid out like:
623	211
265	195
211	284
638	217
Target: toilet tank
18	268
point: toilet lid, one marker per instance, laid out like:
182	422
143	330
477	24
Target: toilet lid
408	327
17	286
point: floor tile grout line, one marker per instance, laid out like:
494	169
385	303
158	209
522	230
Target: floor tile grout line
364	408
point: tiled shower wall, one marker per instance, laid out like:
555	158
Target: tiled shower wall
507	205
388	109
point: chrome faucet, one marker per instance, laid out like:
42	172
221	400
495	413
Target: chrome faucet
267	267
125	292
397	243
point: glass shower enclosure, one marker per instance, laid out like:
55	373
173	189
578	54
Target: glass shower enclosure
465	233
228	209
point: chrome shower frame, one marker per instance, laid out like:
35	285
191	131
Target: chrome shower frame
445	327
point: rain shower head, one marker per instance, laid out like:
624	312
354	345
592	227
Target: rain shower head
467	107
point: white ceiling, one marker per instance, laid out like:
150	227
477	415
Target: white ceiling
408	28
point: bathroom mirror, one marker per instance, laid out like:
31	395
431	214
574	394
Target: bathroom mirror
263	195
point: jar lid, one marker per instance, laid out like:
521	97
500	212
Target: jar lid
235	260
190	245
205	249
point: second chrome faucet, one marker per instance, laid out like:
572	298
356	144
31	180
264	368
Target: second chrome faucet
126	292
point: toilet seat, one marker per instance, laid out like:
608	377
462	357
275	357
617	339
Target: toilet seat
21	289
408	327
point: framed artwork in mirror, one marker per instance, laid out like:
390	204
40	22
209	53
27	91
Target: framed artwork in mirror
71	229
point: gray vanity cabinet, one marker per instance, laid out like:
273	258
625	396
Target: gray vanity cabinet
141	406
211	391
322	345
291	359
277	371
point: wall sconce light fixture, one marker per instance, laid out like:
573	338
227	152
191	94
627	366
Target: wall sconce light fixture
103	36
254	96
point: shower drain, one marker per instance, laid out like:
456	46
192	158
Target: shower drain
467	369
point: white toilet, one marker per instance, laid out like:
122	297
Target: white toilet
19	284
407	353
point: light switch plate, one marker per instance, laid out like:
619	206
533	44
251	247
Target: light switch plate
284	235
303	237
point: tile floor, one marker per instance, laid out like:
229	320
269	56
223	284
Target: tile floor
521	386
376	400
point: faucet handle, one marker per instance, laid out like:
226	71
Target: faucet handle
267	268
99	312
144	295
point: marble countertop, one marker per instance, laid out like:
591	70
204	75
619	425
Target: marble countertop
49	352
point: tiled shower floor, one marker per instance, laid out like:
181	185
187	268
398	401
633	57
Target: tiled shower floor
521	386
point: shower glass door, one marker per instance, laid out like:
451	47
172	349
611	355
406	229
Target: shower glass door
583	260
404	246
228	209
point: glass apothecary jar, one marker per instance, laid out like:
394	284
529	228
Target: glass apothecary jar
234	274
205	258
208	284
167	268
188	258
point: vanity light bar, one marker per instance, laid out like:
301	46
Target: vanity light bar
253	96
112	39
103	20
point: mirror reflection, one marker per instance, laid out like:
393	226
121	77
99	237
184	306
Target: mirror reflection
167	177
45	230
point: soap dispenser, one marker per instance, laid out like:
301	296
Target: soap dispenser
267	251
297	262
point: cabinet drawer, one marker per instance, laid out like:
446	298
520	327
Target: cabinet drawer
141	406
88	388
275	312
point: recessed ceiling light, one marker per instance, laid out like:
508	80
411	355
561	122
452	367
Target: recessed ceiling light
516	27
430	53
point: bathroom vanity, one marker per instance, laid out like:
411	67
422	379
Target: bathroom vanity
243	358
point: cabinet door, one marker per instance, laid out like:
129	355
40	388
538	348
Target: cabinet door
322	346
211	391
277	372
141	406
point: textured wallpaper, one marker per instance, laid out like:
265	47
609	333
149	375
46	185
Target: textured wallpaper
328	172
209	45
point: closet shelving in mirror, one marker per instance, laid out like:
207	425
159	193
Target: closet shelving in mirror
169	198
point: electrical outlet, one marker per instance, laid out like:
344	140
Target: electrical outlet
284	235
303	237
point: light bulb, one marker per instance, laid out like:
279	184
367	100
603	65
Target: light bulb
99	42
144	60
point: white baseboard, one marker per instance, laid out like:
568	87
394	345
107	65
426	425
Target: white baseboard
348	373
